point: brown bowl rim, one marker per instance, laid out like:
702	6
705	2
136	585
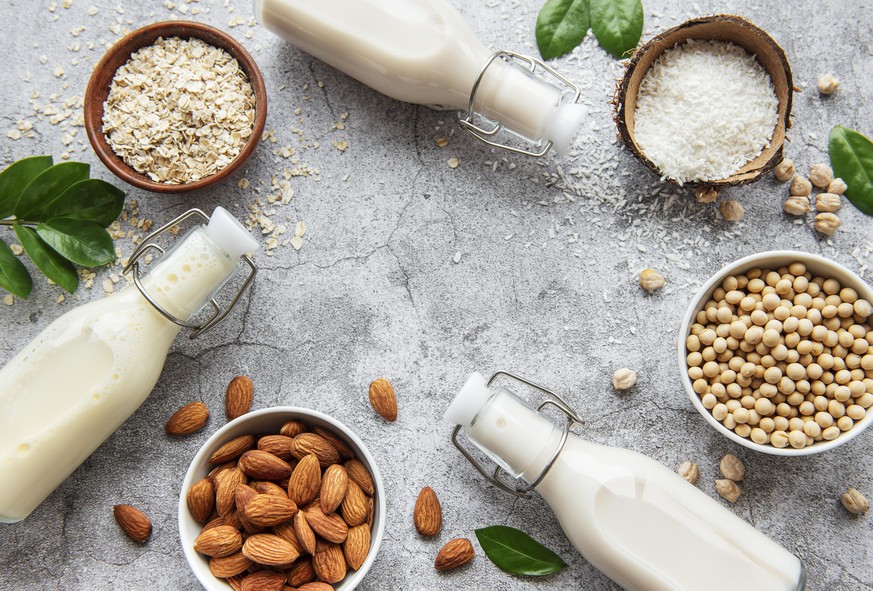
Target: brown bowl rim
117	55
739	177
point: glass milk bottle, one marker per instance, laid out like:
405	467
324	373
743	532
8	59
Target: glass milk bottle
422	51
71	387
640	523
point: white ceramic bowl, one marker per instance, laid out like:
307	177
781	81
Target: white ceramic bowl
818	266
270	420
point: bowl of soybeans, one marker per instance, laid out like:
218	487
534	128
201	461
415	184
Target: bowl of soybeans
776	353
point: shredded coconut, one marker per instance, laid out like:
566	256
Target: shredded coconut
704	109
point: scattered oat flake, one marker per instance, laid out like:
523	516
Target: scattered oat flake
297	242
59	71
442	142
60	299
92	10
341	145
457	258
13	134
300	229
243	184
8	300
16	249
453	162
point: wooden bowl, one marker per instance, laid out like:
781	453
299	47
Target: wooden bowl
119	53
729	28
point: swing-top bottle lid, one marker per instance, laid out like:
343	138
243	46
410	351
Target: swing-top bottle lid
472	397
228	232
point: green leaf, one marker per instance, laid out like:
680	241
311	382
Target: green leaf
617	24
15	177
53	265
852	160
13	274
516	552
46	187
91	199
83	242
561	26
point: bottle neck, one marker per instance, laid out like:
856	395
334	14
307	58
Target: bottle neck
189	274
514	435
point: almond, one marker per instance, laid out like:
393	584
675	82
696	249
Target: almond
201	500
268	488
310	443
301	573
267	510
334	484
263	466
428	515
304	533
354	506
214	523
305	481
383	399
315	586
244	494
219	541
213	474
232	449
189	419
225	489
329	562
228	566
269	549
263	580
286	532
361	476
238	397
278	445
235	582
341	446
134	523
330	527
371	511
293	429
232	519
455	553
357	546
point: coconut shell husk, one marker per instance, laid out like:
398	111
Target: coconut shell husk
722	27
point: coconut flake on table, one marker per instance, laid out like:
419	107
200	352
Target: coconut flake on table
704	109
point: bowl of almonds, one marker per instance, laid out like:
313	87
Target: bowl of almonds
283	496
776	353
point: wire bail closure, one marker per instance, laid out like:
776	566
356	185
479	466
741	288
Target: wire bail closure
487	135
148	244
523	490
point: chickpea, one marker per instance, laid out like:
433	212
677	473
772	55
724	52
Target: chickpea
758	435
797	439
781	423
845	423
856	412
836	409
779	439
830	433
812	429
720	411
824	419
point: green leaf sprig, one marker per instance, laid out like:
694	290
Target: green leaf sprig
59	215
852	160
516	552
563	24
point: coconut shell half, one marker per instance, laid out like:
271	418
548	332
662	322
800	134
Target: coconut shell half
723	27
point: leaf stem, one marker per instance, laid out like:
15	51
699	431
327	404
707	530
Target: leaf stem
13	221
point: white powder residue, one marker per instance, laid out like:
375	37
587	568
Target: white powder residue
704	109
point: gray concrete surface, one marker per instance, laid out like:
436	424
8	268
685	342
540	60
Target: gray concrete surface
545	286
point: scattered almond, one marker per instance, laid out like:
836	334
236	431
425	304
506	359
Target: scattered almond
219	541
455	553
383	399
238	397
134	523
334	485
201	500
428	514
232	449
189	419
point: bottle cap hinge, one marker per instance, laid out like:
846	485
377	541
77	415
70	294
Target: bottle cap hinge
495	477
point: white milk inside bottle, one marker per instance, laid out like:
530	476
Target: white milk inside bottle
80	378
640	523
422	51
